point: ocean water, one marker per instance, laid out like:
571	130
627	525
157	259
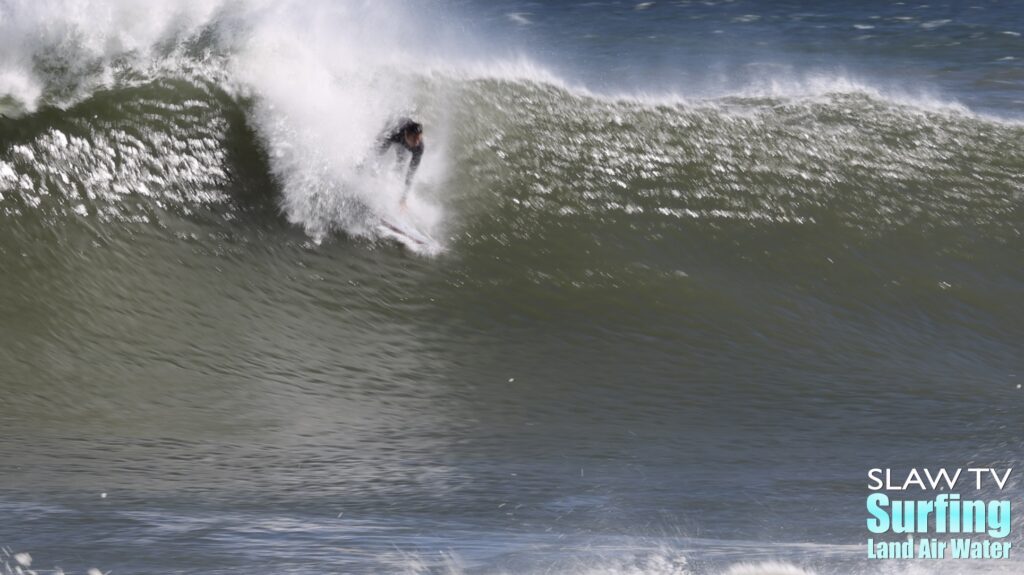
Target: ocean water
702	266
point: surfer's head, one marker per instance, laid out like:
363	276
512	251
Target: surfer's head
412	132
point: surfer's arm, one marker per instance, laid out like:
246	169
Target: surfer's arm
414	164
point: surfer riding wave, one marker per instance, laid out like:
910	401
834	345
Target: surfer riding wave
407	137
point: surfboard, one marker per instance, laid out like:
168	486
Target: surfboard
408	235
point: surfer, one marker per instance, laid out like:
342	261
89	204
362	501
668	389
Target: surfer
408	136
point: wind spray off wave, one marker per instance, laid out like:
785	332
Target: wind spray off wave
322	138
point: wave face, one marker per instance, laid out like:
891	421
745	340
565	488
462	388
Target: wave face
196	79
669	331
575	186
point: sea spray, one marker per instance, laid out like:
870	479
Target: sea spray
321	138
56	51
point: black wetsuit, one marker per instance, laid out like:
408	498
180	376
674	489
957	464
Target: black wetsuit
397	136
